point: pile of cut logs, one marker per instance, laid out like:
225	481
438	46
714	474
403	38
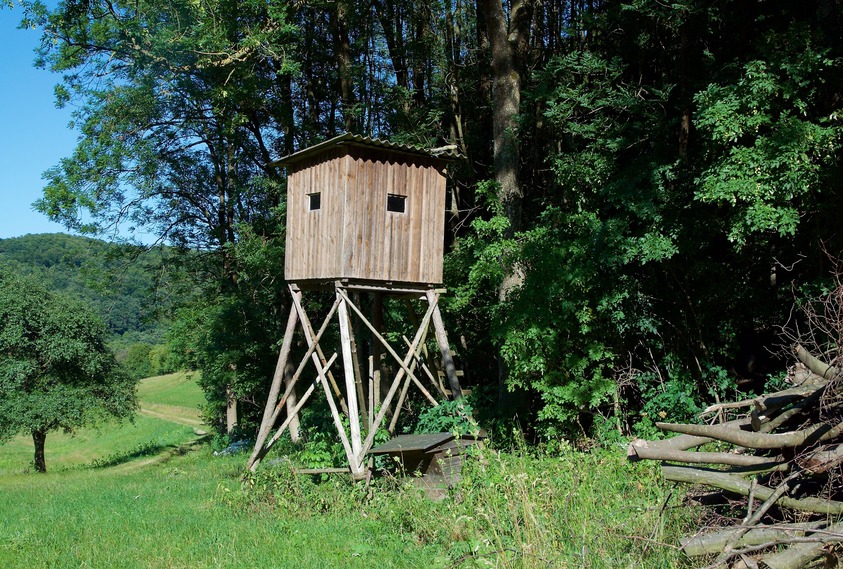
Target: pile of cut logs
778	462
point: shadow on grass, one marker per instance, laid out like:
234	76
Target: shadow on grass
149	448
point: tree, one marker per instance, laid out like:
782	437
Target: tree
55	369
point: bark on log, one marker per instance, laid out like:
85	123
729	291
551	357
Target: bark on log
820	461
714	542
778	400
682	442
771	421
771	401
751	439
802	554
644	453
738	485
822	369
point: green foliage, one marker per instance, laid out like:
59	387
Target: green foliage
519	509
448	417
669	175
231	333
56	371
769	143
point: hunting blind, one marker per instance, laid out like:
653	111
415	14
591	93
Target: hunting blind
364	210
365	218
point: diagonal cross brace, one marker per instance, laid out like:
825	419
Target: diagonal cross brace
370	437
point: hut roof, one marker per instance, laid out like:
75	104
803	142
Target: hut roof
356	140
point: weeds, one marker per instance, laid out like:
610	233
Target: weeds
516	510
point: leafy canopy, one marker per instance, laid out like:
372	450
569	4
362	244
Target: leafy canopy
55	369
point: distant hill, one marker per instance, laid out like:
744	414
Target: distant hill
116	280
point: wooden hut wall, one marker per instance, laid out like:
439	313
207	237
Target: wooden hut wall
389	246
314	237
353	235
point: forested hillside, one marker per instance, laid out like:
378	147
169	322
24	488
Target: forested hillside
121	283
645	189
119	289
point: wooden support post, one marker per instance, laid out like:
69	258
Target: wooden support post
350	387
427	372
404	365
414	318
323	373
444	347
370	418
261	450
362	402
370	437
319	354
268	417
355	359
296	410
398	405
377	322
292	414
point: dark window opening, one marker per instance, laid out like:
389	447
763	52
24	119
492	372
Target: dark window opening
396	203
315	201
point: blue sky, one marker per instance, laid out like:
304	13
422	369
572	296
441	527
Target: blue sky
33	133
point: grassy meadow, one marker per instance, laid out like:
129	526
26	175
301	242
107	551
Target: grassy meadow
151	494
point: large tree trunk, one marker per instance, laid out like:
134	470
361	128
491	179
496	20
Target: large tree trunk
39	438
230	411
342	53
508	43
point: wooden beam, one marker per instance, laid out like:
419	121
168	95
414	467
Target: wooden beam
321	356
444	347
317	361
370	417
427	371
268	419
295	411
404	365
353	330
370	437
350	387
398	406
377	375
300	369
260	452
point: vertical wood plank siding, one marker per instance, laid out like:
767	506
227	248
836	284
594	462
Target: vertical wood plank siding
353	235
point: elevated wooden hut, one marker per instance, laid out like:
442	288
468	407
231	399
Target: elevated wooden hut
364	210
364	216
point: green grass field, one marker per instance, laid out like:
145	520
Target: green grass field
152	495
168	416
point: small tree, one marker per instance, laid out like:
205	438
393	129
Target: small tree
55	369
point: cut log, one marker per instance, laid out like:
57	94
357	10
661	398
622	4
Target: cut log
801	554
772	401
645	453
822	369
738	485
682	442
714	542
772	421
755	440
